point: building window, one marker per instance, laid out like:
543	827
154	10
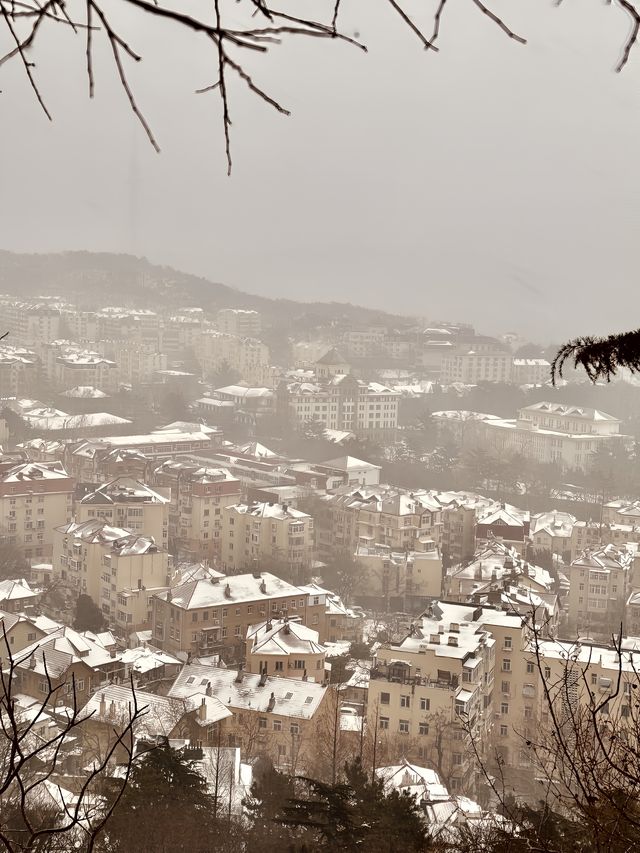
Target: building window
456	759
503	731
530	666
423	728
506	665
277	725
425	704
384	722
547	672
294	728
403	727
385	698
279	667
504	708
508	644
506	687
298	664
405	701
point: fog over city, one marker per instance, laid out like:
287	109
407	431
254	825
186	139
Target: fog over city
319	433
490	183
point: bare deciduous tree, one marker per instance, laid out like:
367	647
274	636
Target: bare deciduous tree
585	752
35	811
254	27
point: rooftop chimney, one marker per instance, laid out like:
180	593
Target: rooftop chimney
103	706
272	703
263	677
227	591
202	710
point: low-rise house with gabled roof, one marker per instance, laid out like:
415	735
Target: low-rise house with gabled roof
281	718
286	648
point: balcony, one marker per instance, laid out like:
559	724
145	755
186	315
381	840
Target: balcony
414	680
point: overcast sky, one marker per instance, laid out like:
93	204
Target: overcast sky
493	182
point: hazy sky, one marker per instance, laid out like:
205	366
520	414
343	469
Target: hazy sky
492	182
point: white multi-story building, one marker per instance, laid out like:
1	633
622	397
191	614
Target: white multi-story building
35	497
553	432
248	356
530	371
477	365
30	322
125	502
111	565
345	403
239	321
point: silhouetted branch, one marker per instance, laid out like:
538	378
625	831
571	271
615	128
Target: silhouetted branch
18	14
601	358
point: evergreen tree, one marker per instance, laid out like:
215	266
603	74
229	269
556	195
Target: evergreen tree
88	615
165	808
355	815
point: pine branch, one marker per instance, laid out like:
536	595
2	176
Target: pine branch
601	358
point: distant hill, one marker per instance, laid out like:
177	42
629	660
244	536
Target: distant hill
95	279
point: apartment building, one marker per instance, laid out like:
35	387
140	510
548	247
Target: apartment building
460	511
478	364
592	534
135	324
599	586
365	342
422	687
239	321
356	471
377	515
199	495
128	503
35	498
248	356
207	616
253	533
18	371
108	564
337	621
86	368
567	436
180	332
530	371
29	322
138	363
397	580
495	562
285	648
345	403
278	718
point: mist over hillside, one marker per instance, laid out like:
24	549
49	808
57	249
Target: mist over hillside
96	279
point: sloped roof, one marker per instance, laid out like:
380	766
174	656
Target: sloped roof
292	697
349	463
332	357
283	637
